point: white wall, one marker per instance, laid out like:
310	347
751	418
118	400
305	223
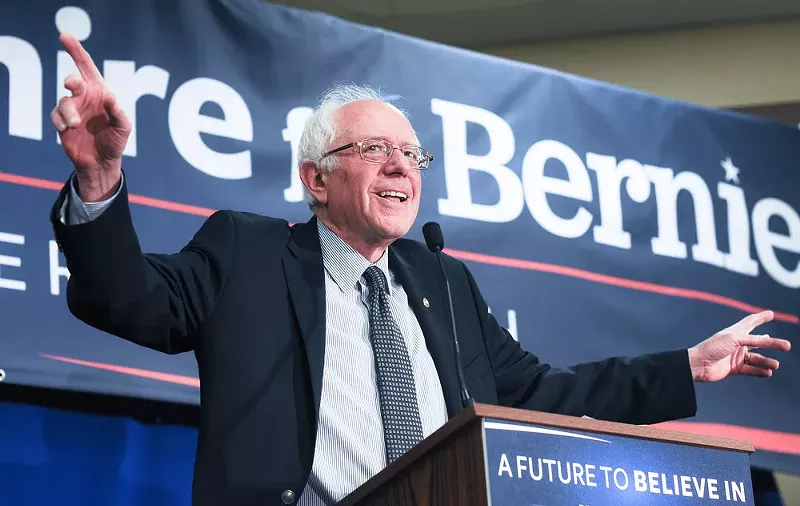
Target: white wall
726	66
718	67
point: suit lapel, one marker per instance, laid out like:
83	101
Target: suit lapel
305	277
426	282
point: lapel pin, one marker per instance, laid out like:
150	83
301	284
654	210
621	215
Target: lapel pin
425	302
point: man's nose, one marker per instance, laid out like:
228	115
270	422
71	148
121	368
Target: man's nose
398	163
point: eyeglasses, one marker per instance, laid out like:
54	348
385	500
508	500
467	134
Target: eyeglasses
379	151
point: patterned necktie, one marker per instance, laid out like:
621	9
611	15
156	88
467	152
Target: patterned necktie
402	427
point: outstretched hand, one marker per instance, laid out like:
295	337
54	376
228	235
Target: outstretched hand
728	351
92	126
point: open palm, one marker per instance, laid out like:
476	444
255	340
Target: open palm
728	352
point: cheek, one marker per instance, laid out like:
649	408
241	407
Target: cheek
355	191
340	188
417	195
416	183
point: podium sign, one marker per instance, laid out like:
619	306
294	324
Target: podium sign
534	464
493	456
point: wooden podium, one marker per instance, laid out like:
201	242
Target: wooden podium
488	455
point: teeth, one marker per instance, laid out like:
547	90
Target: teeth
402	196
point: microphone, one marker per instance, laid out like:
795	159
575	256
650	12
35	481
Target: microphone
435	241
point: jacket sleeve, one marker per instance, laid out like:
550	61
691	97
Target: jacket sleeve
638	390
155	300
74	211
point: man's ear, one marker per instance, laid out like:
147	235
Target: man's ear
312	179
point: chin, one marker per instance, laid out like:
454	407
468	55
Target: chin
394	229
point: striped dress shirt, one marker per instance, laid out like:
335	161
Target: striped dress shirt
350	447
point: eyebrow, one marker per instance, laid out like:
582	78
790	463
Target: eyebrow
384	138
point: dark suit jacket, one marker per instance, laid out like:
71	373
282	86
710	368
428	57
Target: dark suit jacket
247	296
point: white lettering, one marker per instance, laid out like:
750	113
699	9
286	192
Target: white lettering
699	488
512	323
549	463
590	475
768	241
712	489
665	485
639	481
564	479
56	270
504	466
667	243
617	472
24	87
458	163
738	260
609	178
686	489
129	85
295	122
186	123
737	491
534	475
652	479
576	186
521	461
9	261
605	470
577	473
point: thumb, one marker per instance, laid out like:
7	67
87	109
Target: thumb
116	116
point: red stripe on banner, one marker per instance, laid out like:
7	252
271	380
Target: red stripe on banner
136	199
762	439
470	256
621	282
130	371
30	181
170	206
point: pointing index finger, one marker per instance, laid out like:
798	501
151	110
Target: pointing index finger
82	60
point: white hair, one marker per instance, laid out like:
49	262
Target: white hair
320	129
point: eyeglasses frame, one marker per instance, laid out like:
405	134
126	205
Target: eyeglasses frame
428	159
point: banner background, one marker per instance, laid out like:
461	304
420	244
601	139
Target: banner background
566	299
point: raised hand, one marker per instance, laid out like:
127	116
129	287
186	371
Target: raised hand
93	127
728	351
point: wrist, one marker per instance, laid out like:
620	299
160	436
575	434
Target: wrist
695	364
97	187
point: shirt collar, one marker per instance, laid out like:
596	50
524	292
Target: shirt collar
343	263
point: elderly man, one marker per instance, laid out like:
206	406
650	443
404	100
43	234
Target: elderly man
324	349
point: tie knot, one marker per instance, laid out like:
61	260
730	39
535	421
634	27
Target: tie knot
376	280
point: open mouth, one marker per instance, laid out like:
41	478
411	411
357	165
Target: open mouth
393	195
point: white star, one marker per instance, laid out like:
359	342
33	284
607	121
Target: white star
731	170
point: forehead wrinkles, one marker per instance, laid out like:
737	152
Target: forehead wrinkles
370	119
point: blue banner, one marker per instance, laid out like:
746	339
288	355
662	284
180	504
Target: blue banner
598	221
